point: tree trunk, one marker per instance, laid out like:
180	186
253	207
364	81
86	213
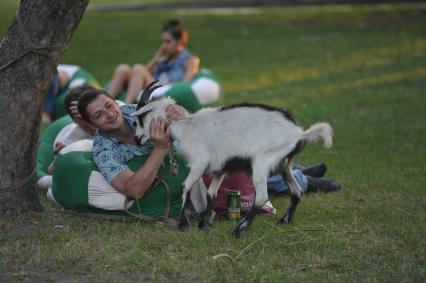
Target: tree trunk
23	86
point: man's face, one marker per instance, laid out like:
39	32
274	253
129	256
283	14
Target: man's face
105	114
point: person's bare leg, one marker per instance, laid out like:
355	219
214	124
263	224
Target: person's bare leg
120	78
45	118
139	78
64	79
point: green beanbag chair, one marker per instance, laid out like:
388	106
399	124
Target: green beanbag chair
202	91
81	77
78	186
45	149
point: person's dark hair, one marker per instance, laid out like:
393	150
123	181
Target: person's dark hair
74	95
177	30
87	96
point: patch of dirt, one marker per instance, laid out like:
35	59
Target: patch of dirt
19	224
12	271
34	273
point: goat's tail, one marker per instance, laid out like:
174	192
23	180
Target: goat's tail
317	131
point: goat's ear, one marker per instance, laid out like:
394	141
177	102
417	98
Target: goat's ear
142	110
147	93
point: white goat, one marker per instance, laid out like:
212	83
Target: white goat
257	138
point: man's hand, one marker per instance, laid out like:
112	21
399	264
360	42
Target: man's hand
160	133
174	112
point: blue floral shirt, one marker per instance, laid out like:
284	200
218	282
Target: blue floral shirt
111	155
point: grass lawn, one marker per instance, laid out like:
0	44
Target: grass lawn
360	68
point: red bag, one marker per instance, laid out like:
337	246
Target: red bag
241	182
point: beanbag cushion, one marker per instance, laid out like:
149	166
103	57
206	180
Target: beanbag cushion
202	91
45	148
76	180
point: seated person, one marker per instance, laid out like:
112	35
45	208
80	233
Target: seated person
171	63
49	101
58	83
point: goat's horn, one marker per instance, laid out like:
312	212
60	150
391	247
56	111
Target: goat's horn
153	88
147	91
146	94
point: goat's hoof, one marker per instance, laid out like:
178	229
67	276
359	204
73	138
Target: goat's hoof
242	226
236	232
286	219
204	224
183	224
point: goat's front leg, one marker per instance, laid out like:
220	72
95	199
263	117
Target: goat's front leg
260	185
296	194
193	177
207	219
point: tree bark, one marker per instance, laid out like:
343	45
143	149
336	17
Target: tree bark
23	86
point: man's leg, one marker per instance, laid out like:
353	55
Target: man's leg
317	170
277	184
307	183
322	185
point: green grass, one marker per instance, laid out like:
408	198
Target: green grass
362	69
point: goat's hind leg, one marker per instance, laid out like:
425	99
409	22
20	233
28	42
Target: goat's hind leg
260	185
296	194
193	176
207	219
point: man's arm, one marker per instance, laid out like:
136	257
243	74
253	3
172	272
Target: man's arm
136	184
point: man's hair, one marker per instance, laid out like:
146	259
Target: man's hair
86	97
74	95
